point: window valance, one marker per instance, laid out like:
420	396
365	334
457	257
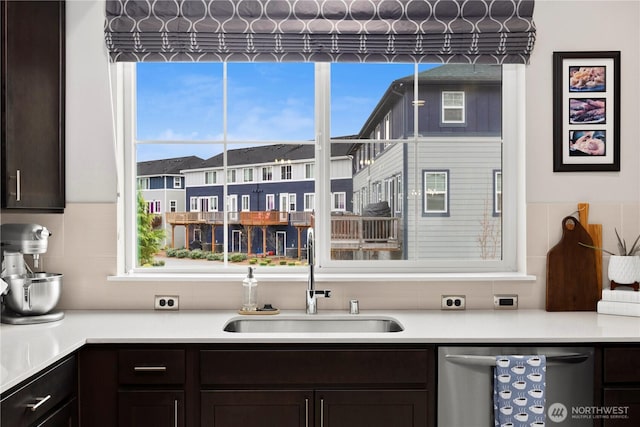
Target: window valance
435	31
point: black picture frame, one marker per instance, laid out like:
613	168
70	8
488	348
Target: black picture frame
586	111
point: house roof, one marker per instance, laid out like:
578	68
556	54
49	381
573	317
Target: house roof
167	166
269	153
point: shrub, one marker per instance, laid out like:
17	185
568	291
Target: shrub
196	254
182	253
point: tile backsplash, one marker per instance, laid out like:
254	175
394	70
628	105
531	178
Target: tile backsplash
83	248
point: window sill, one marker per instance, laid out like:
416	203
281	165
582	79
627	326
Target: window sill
327	277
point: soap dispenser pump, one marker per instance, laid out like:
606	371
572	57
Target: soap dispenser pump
249	292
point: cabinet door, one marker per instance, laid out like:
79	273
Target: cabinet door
626	404
33	105
150	408
372	408
66	416
263	408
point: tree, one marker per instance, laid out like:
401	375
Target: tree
149	239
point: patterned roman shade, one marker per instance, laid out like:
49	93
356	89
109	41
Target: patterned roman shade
434	31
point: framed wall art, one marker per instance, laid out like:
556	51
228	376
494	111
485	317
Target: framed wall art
586	111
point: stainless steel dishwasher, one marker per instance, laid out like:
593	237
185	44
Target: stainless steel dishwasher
465	383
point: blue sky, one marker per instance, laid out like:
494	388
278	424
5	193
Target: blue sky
267	102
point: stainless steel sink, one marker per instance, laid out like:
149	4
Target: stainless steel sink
313	325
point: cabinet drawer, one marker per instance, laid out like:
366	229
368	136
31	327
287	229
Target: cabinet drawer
151	366
380	367
38	397
620	365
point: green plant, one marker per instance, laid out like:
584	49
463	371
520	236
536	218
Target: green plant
149	238
182	253
622	246
215	256
171	252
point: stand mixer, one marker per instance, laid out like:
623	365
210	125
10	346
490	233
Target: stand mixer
27	297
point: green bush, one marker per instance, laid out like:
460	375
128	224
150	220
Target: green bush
237	257
215	256
283	262
171	253
196	254
182	253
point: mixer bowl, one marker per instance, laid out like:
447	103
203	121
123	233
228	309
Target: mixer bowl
33	294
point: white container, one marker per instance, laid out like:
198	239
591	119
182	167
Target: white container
624	270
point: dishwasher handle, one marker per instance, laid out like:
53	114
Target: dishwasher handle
477	360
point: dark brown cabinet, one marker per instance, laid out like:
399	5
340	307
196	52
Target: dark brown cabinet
33	55
150	408
621	386
47	400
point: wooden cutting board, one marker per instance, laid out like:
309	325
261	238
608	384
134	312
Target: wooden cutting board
595	231
571	271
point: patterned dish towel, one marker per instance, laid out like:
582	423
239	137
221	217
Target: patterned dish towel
519	391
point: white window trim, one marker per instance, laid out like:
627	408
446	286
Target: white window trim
445	192
245	203
514	195
177	182
462	107
309	197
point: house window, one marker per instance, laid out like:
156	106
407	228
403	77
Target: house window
338	201
309	202
270	201
153	207
213	204
453	107
177	182
210	177
350	170
144	183
267	173
285	172
173	206
436	193
308	170
497	193
248	174
246	203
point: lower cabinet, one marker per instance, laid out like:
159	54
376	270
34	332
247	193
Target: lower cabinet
151	408
621	386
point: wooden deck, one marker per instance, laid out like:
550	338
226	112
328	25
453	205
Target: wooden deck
348	232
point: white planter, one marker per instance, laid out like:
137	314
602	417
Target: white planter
624	270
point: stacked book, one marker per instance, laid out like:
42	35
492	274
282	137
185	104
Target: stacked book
623	301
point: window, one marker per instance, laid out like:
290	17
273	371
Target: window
173	205
270	201
497	193
453	107
177	182
210	177
153	207
246	203
309	202
267	173
436	192
285	172
144	183
248	175
426	187
338	201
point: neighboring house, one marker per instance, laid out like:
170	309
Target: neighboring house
163	188
447	187
270	200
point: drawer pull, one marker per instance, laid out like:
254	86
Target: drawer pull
150	368
34	406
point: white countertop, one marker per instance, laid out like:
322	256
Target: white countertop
27	349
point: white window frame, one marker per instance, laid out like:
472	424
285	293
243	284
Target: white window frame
247	174
213	204
429	192
270	202
210	177
309	202
232	176
173	205
267	173
339	201
497	192
245	203
309	171
177	182
512	266
286	172
194	206
461	107
144	183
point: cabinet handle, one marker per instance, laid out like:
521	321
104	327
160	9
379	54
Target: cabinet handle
34	406
321	412
18	189
175	413
306	412
150	368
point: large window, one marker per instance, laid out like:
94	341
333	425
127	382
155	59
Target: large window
349	149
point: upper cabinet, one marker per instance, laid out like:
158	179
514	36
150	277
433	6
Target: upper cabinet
33	87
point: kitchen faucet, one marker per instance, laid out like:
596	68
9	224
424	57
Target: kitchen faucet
311	292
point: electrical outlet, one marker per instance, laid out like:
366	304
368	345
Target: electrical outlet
167	302
453	302
505	302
